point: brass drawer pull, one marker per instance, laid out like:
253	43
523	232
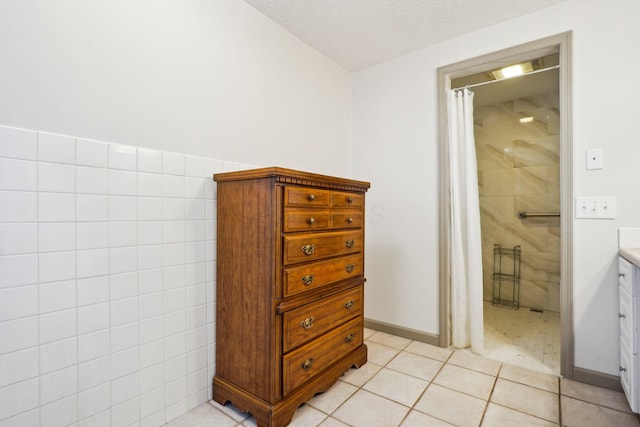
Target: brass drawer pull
311	221
349	200
308	322
349	338
349	220
349	243
311	197
308	249
349	304
350	267
306	365
308	279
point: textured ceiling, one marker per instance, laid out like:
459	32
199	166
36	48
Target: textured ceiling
360	33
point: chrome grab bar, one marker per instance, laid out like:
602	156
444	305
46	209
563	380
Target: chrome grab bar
525	215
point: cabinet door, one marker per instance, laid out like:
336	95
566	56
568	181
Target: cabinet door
626	319
625	275
627	375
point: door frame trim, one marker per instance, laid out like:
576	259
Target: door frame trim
561	43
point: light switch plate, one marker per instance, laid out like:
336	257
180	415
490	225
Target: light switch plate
594	158
596	207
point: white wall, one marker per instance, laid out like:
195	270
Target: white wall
395	136
210	78
115	115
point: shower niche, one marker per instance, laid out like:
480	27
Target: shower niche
506	276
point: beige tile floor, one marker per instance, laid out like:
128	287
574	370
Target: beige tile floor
408	383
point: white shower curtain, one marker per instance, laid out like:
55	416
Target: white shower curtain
465	240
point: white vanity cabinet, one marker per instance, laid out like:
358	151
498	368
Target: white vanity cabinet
628	284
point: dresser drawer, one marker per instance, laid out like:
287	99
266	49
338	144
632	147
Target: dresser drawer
318	274
308	247
312	320
346	200
296	219
306	196
302	220
311	359
346	219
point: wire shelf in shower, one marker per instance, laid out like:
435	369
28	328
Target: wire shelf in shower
506	276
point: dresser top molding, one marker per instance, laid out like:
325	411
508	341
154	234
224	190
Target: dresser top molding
290	176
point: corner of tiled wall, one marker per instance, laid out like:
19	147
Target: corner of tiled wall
107	281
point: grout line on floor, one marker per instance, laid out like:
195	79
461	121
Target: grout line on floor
559	402
493	387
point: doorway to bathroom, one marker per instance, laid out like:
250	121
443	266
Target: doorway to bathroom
522	140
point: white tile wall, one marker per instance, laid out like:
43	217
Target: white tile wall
107	281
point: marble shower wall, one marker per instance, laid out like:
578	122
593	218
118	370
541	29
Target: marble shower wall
519	169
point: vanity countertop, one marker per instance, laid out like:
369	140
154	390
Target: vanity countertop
631	254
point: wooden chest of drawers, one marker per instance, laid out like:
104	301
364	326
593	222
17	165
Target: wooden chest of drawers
290	288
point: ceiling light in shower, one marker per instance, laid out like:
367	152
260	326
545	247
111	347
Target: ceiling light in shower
512	71
526	119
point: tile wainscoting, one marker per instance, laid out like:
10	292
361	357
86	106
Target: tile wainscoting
107	281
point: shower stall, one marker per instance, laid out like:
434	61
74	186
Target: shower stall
517	140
